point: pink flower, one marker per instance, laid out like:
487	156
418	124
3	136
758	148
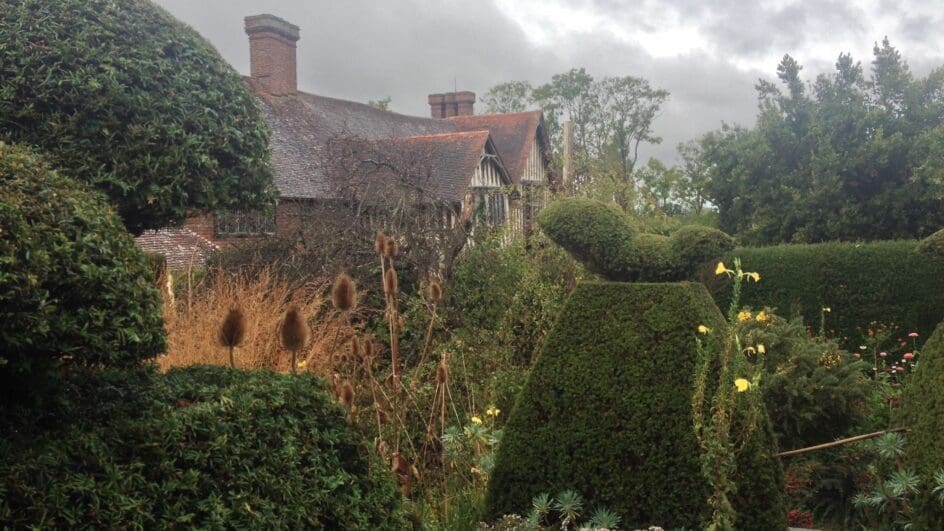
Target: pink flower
883	354
913	334
901	369
908	356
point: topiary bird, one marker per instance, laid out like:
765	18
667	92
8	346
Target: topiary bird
606	241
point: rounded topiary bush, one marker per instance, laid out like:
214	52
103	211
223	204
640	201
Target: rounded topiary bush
694	244
123	96
933	245
923	411
74	287
201	447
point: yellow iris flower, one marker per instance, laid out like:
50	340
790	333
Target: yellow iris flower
476	420
742	384
720	269
702	329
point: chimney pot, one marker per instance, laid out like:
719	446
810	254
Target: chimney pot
451	104
272	53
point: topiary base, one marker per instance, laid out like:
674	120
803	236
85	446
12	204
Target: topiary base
606	411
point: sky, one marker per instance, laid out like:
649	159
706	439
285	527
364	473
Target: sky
708	54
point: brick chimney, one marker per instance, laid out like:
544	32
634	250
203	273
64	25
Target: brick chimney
272	53
451	104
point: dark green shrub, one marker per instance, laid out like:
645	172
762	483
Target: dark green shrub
814	391
606	241
74	287
923	412
202	447
885	282
123	96
933	245
607	412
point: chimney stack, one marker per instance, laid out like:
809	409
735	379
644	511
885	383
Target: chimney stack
451	104
272	53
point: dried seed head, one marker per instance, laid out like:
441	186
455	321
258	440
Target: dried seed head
399	465
435	291
380	242
368	349
391	284
442	374
390	248
347	394
233	329
344	293
295	332
355	348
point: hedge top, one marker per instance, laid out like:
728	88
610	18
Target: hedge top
125	97
604	239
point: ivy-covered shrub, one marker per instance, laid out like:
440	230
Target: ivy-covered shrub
886	282
923	412
609	244
74	287
125	97
607	409
201	447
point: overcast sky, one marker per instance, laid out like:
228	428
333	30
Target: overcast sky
708	54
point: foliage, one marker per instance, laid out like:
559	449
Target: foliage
844	158
922	412
74	287
814	391
607	242
933	246
560	512
732	427
128	99
596	414
205	447
883	282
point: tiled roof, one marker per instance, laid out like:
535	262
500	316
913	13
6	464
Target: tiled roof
181	247
513	134
302	125
449	159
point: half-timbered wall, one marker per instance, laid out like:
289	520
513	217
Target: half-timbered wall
534	167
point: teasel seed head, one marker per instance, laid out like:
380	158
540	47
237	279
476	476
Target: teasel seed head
295	332
344	293
442	374
347	394
233	329
390	248
368	349
380	242
435	292
356	351
399	465
391	283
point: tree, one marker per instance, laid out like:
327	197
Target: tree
512	96
383	103
842	158
123	96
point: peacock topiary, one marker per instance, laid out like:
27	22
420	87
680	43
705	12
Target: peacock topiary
607	410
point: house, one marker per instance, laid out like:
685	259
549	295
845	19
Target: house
328	152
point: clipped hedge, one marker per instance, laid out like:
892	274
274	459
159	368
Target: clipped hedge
889	282
201	447
606	411
132	101
74	287
923	411
606	241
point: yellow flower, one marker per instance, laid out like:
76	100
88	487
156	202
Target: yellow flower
720	269
755	276
476	420
761	349
702	329
827	309
762	317
492	411
742	384
744	315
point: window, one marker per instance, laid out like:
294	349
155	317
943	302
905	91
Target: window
244	223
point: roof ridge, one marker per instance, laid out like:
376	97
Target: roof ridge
477	132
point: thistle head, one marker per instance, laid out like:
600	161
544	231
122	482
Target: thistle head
233	329
344	293
295	332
